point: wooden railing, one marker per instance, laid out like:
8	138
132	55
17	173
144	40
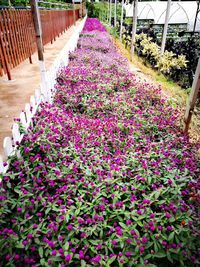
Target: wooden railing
17	35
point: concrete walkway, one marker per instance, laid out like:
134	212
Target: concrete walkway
16	93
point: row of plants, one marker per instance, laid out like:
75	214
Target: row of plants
104	177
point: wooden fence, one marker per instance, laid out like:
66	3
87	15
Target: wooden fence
17	35
10	144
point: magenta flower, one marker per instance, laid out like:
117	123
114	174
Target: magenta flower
113	242
132	232
29	236
141	248
25	242
128	253
169	227
81	254
69	227
53	252
67	257
144	239
128	222
19	209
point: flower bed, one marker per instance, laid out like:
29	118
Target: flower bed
105	177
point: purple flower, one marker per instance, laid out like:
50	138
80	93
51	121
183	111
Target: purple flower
60	238
29	236
132	232
128	222
128	253
67	257
144	239
81	254
113	242
34	226
141	248
169	227
69	227
53	252
19	209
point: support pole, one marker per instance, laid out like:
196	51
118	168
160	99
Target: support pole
165	27
74	13
192	99
108	11
110	16
115	14
197	12
121	22
134	27
38	29
38	33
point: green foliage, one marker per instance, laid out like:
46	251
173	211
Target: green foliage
101	10
150	50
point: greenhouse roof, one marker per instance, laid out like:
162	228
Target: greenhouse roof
181	12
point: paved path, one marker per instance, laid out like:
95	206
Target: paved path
25	79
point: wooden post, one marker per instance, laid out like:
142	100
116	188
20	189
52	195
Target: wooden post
38	32
5	64
110	12
165	27
192	98
121	23
74	13
135	11
115	14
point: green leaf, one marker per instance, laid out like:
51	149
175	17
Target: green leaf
41	252
42	262
55	259
66	246
111	260
83	263
148	256
123	225
160	255
19	245
171	236
169	256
